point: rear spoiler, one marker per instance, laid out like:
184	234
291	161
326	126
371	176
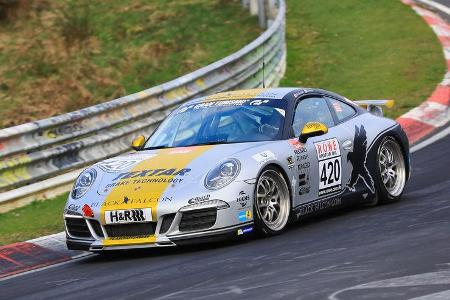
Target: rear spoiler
375	106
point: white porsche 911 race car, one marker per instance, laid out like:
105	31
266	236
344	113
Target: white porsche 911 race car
239	162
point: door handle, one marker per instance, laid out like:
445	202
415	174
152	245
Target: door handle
347	145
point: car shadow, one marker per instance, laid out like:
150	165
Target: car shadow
304	223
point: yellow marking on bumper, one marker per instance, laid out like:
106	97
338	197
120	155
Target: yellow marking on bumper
127	242
149	193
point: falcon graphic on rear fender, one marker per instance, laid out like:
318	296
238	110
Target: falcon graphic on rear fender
358	160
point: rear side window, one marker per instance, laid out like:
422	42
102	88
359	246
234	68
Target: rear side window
343	111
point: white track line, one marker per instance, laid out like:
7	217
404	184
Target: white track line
431	140
73	259
436	5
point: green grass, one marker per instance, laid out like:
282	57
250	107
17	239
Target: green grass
49	66
34	220
363	50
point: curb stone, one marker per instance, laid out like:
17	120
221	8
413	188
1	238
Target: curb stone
37	253
433	114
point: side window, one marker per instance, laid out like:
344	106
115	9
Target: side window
343	111
311	110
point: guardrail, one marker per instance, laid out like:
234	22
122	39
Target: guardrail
38	159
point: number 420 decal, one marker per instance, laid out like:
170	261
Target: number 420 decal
330	167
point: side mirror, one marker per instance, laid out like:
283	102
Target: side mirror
312	129
138	142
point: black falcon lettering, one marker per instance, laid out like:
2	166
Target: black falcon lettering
358	160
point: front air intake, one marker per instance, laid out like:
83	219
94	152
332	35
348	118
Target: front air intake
198	219
128	231
166	222
78	228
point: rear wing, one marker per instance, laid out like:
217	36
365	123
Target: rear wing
375	106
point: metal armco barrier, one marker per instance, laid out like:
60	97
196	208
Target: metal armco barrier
40	156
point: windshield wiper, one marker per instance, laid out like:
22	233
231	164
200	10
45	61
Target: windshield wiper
155	148
180	146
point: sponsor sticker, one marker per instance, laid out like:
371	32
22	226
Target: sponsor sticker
117	165
245	215
263	156
245	230
302	157
258	102
137	215
290	161
73	207
243	199
181	150
303	182
337	106
304	165
200	199
327	149
318	205
131	201
330	167
295	143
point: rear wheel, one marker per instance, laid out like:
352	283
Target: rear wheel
391	175
272	205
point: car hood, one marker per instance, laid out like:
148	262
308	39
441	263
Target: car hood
147	178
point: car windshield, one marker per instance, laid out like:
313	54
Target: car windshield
220	122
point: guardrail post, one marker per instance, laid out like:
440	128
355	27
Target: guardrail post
271	9
262	14
253	7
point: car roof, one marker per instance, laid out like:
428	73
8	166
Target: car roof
282	93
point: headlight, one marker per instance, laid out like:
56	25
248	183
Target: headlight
83	183
222	174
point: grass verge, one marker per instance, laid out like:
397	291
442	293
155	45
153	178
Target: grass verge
34	220
59	56
363	50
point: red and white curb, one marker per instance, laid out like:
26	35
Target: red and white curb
433	114
33	254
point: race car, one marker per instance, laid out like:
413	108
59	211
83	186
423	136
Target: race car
239	163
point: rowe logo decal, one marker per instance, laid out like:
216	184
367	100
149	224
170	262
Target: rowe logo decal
327	149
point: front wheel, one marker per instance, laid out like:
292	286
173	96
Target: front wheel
391	175
272	205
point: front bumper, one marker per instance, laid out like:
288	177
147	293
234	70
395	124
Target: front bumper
207	236
191	224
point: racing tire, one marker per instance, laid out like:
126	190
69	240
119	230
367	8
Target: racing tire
390	171
272	203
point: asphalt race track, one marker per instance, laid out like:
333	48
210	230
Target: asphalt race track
396	251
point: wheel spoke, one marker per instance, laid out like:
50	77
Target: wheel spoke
272	200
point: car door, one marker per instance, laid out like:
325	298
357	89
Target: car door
360	179
322	167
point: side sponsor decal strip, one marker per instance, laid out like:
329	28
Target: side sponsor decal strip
148	180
